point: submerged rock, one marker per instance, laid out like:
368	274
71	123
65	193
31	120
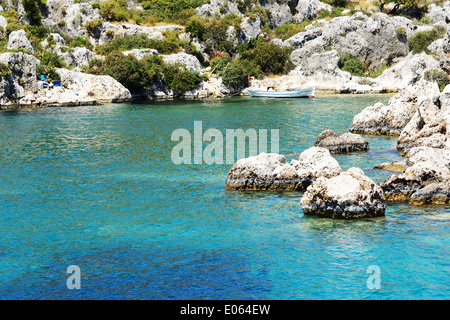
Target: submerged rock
349	195
393	118
346	142
397	166
270	171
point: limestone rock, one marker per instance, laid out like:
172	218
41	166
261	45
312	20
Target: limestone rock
267	171
101	88
349	195
393	118
438	157
191	62
78	57
406	72
434	193
346	142
398	188
438	13
141	53
428	127
21	79
250	29
18	40
106	31
3	24
281	11
374	40
272	172
69	17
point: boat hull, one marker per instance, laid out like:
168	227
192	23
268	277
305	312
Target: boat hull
304	93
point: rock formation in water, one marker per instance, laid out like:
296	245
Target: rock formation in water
429	126
346	142
427	173
392	119
349	195
270	171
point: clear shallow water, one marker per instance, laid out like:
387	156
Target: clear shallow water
96	187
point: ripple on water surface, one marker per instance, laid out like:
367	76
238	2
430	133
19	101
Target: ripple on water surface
96	187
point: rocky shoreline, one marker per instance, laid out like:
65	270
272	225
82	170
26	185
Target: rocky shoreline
379	41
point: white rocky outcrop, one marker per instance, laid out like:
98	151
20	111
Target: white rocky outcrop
438	13
270	171
428	127
392	118
427	167
106	31
21	79
3	24
141	53
191	62
349	195
18	40
100	88
374	40
347	142
69	17
73	57
281	11
406	72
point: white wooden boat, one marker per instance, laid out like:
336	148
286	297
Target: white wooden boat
303	93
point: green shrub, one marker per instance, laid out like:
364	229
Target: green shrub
178	11
110	8
92	25
79	42
196	27
378	70
271	58
170	44
4	70
421	40
32	11
52	59
287	30
219	64
121	16
232	19
439	76
179	79
401	31
48	71
132	73
353	65
238	71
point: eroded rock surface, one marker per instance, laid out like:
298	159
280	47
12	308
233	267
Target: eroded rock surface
349	195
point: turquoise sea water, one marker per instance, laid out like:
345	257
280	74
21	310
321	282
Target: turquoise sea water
96	187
